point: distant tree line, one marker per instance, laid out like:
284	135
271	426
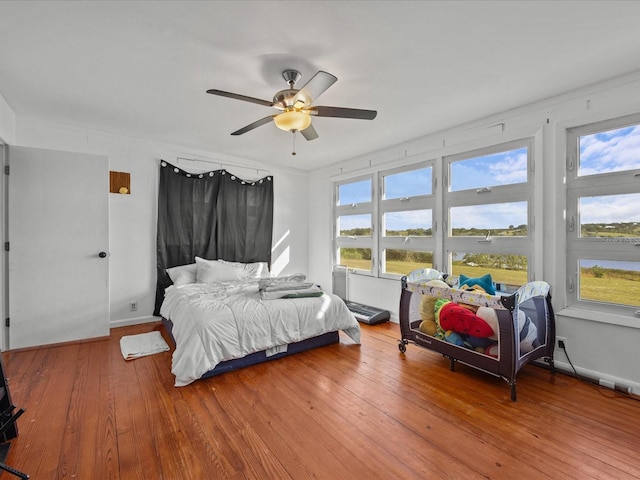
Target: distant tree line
512	231
410	232
624	229
601	272
493	260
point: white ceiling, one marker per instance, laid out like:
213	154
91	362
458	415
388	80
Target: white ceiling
142	68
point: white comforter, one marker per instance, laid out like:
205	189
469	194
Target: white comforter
214	322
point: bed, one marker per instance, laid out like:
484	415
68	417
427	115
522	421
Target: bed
223	316
496	332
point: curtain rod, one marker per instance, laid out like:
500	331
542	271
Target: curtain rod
258	170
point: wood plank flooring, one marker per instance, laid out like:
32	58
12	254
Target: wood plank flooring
338	412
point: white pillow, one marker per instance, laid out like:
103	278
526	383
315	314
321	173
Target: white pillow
254	270
182	274
208	271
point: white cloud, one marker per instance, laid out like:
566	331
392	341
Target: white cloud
610	209
497	169
512	169
348	222
408	219
612	151
495	215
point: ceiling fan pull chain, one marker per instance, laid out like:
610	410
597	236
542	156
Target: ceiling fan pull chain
294	142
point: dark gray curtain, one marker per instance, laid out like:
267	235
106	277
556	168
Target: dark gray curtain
246	220
210	215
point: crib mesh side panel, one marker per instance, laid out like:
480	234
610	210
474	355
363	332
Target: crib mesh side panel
538	310
535	309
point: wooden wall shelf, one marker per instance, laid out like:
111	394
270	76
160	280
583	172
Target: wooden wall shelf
120	182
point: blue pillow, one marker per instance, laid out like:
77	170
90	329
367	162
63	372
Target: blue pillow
484	281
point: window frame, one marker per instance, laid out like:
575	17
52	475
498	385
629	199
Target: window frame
516	192
441	244
595	185
417	202
355	209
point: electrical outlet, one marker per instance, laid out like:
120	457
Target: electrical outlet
561	342
133	306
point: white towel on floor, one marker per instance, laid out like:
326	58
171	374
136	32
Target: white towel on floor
141	345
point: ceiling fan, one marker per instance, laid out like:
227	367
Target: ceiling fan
296	106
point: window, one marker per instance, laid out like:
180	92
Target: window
490	220
406	240
407	183
354	193
354	224
397	220
505	269
406	223
488	205
490	170
603	194
355	258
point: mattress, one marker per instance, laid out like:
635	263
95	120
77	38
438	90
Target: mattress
221	321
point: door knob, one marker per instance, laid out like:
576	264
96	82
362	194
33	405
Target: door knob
102	254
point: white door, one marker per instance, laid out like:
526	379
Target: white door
58	225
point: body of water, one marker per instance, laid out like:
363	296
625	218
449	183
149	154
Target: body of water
633	266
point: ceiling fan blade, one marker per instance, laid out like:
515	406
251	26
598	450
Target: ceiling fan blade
236	96
341	112
256	124
309	133
315	87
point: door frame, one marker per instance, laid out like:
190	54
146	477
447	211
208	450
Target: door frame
4	271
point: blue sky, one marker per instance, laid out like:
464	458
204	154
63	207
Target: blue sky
357	192
496	215
408	184
611	151
502	168
411	219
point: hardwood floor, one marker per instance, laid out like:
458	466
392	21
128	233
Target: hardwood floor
338	412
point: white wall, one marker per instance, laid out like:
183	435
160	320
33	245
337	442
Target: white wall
600	346
132	218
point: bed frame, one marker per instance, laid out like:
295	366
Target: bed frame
260	357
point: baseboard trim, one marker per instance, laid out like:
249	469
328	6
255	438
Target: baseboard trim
125	322
595	377
59	344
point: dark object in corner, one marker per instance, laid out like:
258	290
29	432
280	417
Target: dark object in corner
8	427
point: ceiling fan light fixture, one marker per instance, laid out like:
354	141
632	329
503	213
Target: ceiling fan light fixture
292	120
297	105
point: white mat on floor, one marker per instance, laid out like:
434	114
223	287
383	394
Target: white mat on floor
141	345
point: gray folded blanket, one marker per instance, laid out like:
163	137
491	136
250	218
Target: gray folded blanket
312	291
269	282
287	286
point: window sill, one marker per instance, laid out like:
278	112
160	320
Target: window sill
601	317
